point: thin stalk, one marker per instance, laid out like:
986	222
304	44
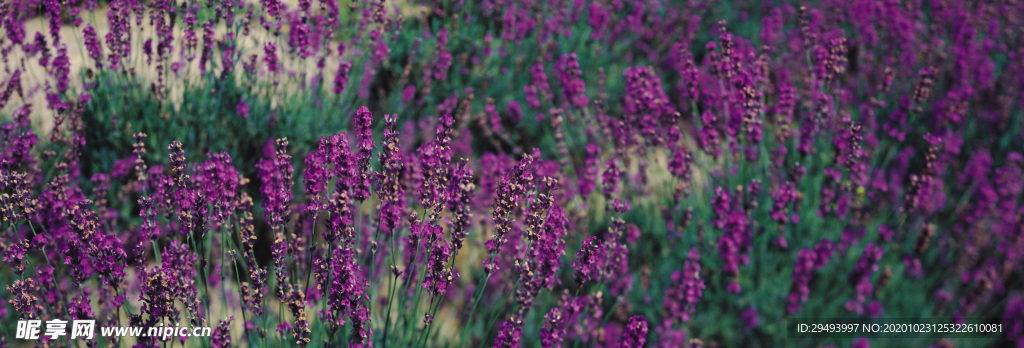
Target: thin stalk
391	293
476	302
434	304
202	274
419	295
238	278
504	303
47	258
610	311
312	250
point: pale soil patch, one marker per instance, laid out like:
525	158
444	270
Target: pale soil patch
297	73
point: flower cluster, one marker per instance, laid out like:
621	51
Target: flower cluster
807	261
860	277
687	289
635	334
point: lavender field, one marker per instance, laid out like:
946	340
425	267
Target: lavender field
585	173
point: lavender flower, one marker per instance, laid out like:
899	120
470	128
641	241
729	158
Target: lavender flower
731	217
515	112
553	331
13	85
177	156
24	297
750	318
860	277
588	177
389	187
14	256
548	250
923	89
438	275
808	261
687	289
539	82
669	337
617	262
79	307
708	135
92	45
139	152
442	59
276	174
16	202
532	97
62	69
545	252
270	57
222	334
459	195
510	334
207	53
435	160
361	334
1013	319
242	108
109	259
365	147
597	18
507	195
316	175
644	92
635	334
687	69
219	182
341	79
782	197
589	261
610	178
570	77
254	293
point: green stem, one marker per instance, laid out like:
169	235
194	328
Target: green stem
476	302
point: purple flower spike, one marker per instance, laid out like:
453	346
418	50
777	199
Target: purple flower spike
222	334
808	261
548	250
553	332
589	261
389	186
92	45
611	177
364	151
270	52
570	77
687	289
242	108
510	334
341	79
14	256
860	277
317	174
276	175
635	334
507	195
750	318
588	178
460	194
1014	319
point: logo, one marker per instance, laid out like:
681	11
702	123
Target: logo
33	329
